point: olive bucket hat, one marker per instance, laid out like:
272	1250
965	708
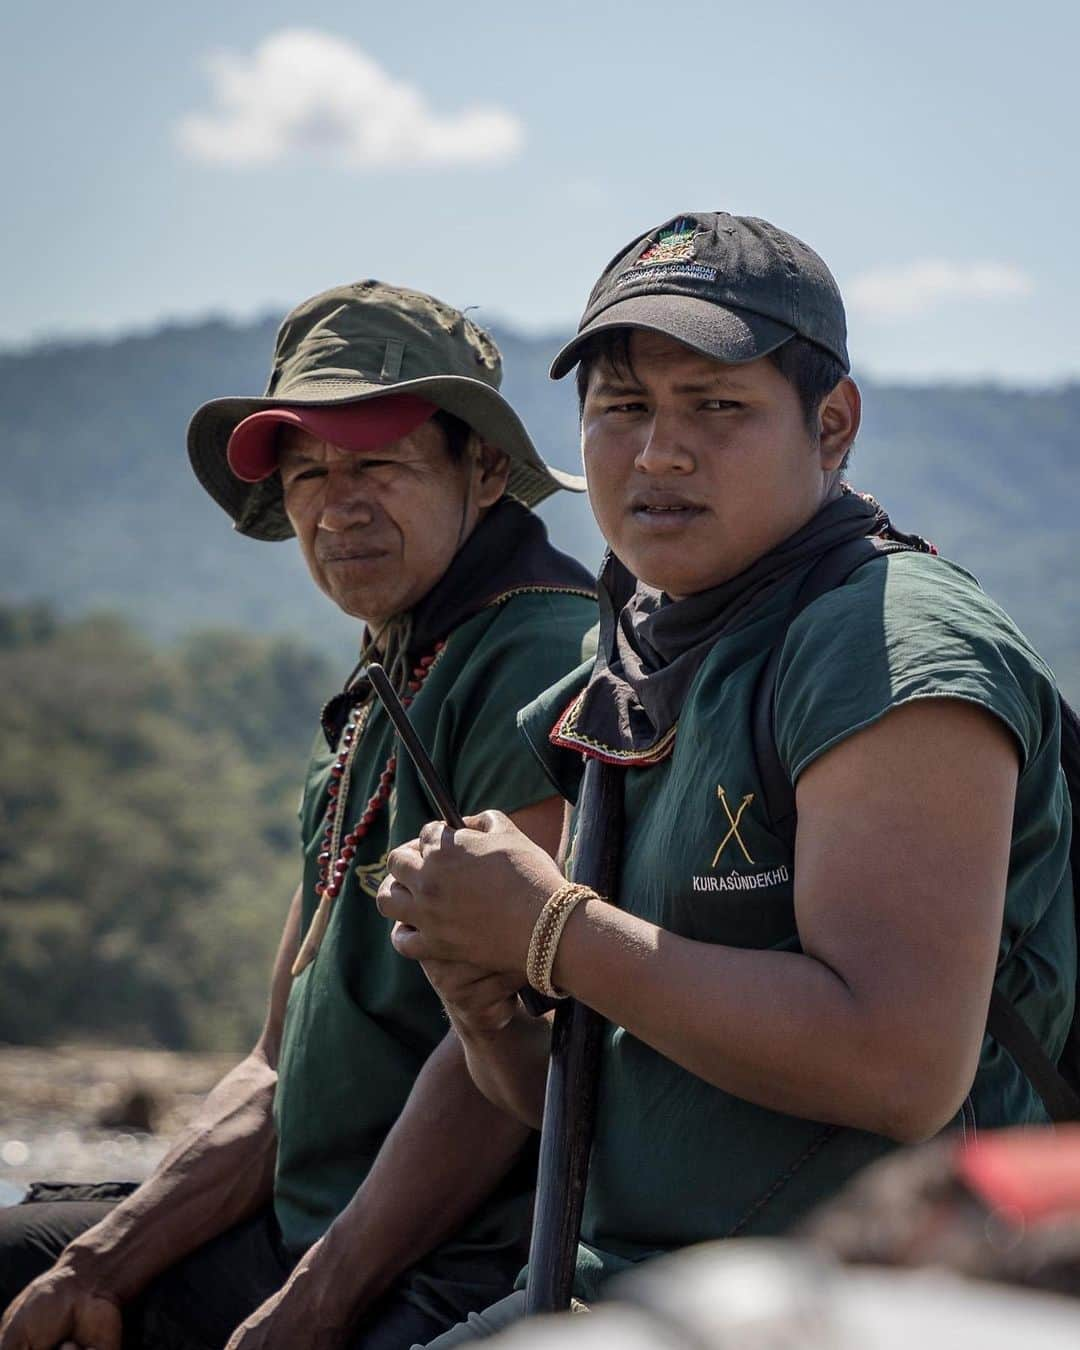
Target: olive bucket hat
364	341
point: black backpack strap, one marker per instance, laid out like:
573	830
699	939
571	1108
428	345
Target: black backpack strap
1059	1092
1057	1084
1011	1032
831	570
1069	1064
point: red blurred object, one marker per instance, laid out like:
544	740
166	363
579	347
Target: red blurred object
1032	1175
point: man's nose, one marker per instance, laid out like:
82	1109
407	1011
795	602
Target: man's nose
663	450
346	503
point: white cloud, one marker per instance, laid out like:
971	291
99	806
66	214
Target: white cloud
307	93
926	284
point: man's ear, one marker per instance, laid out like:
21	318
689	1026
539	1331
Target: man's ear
838	423
491	471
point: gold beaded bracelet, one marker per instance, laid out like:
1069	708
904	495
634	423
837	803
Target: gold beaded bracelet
546	933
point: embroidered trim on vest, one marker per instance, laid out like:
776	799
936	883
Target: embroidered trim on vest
566	737
539	590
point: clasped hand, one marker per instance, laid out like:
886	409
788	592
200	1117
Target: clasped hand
468	897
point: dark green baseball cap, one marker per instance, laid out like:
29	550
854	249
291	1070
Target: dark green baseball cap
363	341
732	287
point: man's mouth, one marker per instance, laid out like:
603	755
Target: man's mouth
353	555
664	509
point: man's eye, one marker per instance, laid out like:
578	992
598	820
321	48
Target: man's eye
720	405
631	406
303	475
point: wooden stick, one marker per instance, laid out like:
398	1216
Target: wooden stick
570	1100
534	1003
429	776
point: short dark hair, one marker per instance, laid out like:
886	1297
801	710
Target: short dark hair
455	431
809	369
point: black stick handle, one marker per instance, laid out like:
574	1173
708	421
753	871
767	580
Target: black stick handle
570	1100
429	775
534	1003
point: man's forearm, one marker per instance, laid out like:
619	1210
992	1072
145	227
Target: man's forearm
509	1066
777	1028
218	1173
447	1151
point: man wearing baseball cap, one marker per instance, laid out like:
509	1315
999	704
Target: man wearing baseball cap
845	817
347	1184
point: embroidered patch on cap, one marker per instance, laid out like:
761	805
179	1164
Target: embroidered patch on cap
674	245
671	254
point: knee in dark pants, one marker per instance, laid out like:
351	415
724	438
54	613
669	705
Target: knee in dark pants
480	1326
198	1303
33	1234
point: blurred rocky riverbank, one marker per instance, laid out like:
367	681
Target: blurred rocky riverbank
92	1113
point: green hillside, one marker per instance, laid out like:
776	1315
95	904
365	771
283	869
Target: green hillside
148	843
152	754
102	511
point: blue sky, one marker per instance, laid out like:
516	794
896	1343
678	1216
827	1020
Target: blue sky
171	162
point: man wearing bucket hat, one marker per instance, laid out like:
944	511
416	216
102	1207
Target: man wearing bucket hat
329	360
786	997
348	1185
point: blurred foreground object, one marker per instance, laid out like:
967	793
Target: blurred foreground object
136	1108
754	1294
1006	1208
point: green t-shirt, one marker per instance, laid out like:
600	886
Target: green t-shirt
675	1160
362	1020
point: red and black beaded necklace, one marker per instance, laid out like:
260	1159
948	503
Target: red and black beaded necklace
337	850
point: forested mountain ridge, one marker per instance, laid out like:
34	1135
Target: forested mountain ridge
101	509
149	772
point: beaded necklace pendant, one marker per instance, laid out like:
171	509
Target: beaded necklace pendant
338	848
